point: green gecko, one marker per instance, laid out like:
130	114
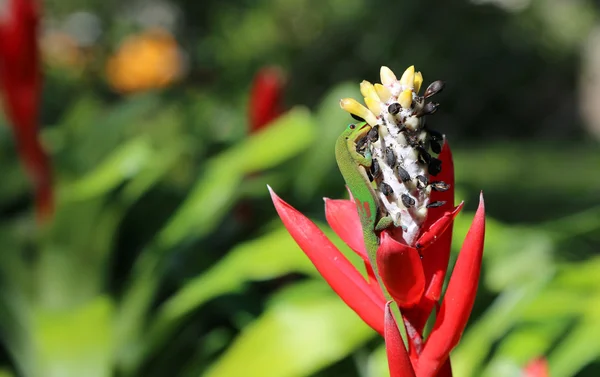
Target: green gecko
353	167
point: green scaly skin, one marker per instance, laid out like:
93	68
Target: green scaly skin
353	167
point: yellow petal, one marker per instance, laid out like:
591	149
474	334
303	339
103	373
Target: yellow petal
387	76
405	98
408	77
418	81
383	93
374	105
353	107
367	90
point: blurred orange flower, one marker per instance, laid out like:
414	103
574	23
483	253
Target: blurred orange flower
148	60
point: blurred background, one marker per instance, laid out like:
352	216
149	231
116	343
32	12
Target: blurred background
166	119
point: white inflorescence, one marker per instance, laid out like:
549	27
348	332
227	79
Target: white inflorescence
401	146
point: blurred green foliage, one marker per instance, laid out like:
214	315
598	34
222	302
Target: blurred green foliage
165	256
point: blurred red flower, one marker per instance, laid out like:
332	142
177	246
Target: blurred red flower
21	84
537	368
413	276
266	96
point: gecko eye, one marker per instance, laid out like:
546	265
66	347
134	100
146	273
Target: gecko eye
352	126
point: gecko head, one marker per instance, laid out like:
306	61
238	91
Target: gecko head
356	131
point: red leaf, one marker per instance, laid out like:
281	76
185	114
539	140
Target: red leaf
401	270
458	301
343	219
341	275
398	360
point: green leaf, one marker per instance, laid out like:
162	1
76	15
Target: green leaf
513	256
6	373
204	208
75	343
76	120
267	257
270	256
215	192
378	363
530	340
581	276
331	121
307	328
579	347
122	164
159	165
477	341
89	130
284	138
555	303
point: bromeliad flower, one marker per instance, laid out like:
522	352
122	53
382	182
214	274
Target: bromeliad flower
20	84
399	220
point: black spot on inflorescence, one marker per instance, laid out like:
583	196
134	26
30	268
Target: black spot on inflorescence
412	140
403	174
390	157
373	134
424	156
435	166
435	135
361	144
436	204
433	88
375	170
440	186
407	201
394	108
422	181
435	147
386	189
428	109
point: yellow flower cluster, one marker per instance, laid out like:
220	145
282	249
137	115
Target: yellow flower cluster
379	95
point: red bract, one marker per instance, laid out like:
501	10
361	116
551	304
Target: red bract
413	276
20	81
265	97
341	275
